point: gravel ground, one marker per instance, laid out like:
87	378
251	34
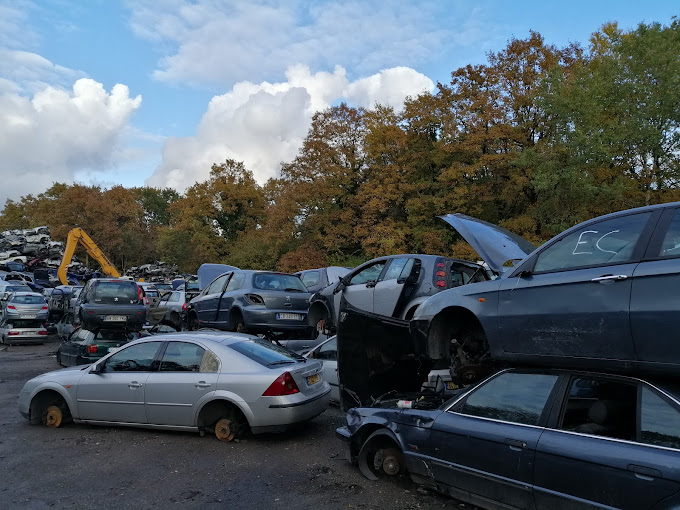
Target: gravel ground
82	466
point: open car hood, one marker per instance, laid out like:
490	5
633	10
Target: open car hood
494	244
376	355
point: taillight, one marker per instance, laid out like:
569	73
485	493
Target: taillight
91	349
11	307
185	306
140	296
44	308
42	332
254	299
441	264
441	273
13	333
284	385
440	283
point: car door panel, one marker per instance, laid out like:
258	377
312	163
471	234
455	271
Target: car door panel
487	458
390	287
112	397
172	397
576	472
568	313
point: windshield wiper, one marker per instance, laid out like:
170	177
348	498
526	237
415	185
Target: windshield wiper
281	362
293	290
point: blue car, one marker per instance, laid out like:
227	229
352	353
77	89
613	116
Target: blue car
531	439
601	295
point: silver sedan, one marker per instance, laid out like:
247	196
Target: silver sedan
224	383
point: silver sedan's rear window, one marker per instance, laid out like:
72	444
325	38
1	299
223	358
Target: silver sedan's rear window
266	353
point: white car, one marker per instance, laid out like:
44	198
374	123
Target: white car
327	353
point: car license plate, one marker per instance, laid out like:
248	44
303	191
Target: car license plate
115	318
313	379
451	386
111	349
27	316
289	316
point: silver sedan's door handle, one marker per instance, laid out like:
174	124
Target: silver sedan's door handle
202	384
610	277
134	384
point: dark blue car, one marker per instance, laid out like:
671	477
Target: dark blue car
602	295
530	439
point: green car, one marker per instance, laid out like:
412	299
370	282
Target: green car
84	347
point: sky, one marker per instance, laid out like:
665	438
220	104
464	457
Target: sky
153	92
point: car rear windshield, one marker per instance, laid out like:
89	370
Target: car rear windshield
116	292
25	324
28	300
17	288
266	353
151	293
275	281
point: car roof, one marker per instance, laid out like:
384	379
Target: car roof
219	337
26	293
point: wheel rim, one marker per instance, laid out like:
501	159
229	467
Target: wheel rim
223	430
53	417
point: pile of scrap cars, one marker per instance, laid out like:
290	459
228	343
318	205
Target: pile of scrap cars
538	378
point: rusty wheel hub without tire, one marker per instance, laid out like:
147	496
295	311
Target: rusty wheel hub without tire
53	416
224	430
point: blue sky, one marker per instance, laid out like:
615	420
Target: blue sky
206	80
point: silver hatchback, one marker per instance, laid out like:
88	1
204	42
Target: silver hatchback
25	305
204	381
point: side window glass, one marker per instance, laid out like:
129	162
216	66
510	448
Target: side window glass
83	336
370	273
600	407
659	422
136	358
236	281
216	286
395	268
516	398
671	243
607	242
328	351
310	278
174	297
182	357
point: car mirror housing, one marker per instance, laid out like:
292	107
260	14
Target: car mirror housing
98	368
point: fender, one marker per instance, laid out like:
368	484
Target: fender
68	394
228	396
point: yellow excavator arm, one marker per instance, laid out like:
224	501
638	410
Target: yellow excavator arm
76	237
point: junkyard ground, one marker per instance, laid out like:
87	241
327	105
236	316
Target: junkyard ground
82	466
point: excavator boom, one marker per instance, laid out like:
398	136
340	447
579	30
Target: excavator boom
76	237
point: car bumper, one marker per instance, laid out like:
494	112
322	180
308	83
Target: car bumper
266	319
42	316
133	322
25	339
278	413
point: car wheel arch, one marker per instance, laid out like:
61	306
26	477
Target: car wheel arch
368	430
318	310
222	402
41	398
384	443
445	324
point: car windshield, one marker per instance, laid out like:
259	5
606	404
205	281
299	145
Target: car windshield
115	292
28	300
277	281
266	353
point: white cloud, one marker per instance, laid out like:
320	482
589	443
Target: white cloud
56	133
265	124
220	42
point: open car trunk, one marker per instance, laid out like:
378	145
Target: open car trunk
376	356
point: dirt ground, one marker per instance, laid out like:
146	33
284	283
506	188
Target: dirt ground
82	466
